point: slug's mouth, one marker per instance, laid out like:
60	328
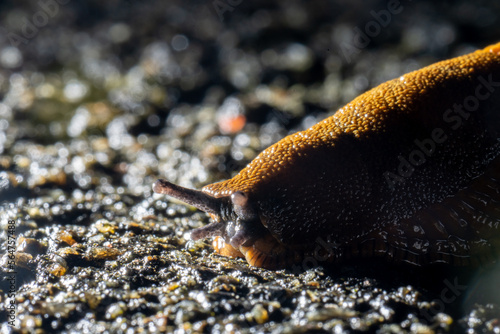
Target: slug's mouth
237	228
232	234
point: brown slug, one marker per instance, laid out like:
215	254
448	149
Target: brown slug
409	171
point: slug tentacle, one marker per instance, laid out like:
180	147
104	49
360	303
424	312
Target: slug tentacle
211	230
196	198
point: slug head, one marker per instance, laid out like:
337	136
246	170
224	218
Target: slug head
236	226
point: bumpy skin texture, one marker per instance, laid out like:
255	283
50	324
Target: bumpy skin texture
355	186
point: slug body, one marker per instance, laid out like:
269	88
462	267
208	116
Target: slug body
409	171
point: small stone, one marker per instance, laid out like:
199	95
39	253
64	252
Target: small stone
67	237
31	246
259	314
102	253
57	269
104	226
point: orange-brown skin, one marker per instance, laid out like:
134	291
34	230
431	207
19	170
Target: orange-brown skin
345	188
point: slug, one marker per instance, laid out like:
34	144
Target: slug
408	172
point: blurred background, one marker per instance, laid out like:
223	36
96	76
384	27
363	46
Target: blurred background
100	98
202	71
125	70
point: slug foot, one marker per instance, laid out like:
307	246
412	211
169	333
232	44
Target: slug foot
224	248
265	252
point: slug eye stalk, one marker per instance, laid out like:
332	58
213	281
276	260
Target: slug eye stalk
195	198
